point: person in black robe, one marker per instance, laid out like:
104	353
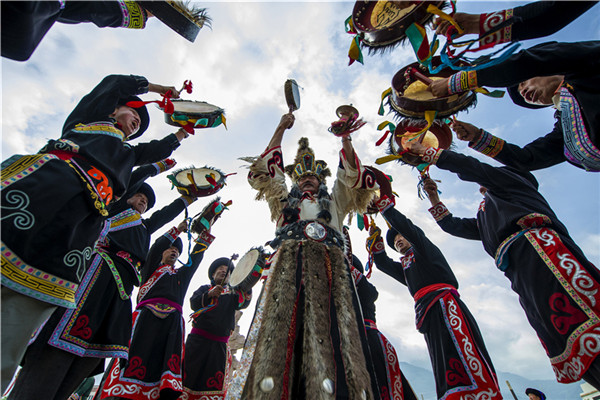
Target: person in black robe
566	75
156	351
54	204
557	286
74	342
390	379
25	23
461	364
530	21
207	365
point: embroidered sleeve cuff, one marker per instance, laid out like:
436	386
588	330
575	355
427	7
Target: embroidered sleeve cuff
205	238
439	211
134	16
487	144
172	234
462	81
164	165
431	155
488	22
378	246
384	203
142	84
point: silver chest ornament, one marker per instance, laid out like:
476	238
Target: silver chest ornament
315	231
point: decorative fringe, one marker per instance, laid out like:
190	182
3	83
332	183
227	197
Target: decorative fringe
326	279
357	376
274	193
197	14
361	198
317	353
271	347
398	116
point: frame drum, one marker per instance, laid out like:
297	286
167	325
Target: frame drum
198	182
199	113
248	270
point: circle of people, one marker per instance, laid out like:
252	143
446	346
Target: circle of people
75	243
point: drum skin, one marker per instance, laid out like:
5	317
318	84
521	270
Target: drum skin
292	94
248	270
193	182
407	107
439	135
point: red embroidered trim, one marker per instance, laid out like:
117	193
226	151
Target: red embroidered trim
480	373
583	345
432	155
290	350
384	203
439	211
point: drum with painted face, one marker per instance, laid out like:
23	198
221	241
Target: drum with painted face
383	24
248	270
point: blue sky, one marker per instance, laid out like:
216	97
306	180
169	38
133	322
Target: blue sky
241	65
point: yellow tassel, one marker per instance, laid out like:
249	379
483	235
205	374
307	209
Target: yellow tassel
429	117
388	158
436	11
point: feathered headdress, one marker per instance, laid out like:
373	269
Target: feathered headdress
305	164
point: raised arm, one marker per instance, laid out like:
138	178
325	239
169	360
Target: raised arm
403	225
286	122
160	218
543	152
470	169
530	21
267	174
376	247
114	14
545	59
461	227
389	266
202	242
155	253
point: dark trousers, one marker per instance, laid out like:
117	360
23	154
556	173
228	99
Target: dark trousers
50	373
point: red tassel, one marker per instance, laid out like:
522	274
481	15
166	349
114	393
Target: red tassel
211	180
366	221
138	104
385	135
189	128
187	86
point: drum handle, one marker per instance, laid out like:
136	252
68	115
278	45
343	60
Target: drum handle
225	278
416	74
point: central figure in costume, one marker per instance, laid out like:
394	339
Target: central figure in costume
306	340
